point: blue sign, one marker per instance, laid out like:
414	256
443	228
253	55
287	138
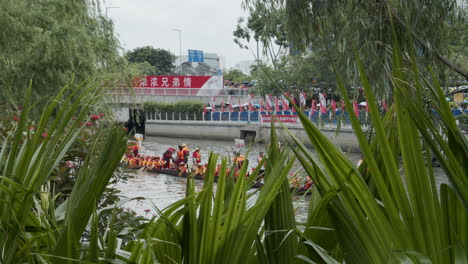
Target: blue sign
195	55
219	72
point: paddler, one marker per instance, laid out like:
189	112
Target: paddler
199	171
239	159
167	157
182	169
196	156
186	152
180	155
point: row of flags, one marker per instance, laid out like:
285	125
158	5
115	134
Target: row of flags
273	103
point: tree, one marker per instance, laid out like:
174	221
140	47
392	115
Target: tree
50	42
161	59
236	76
343	27
265	26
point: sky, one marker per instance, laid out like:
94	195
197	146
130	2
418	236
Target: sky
205	24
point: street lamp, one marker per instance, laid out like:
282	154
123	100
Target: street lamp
180	47
107	8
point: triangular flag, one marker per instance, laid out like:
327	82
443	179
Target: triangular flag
251	108
269	102
355	106
285	102
323	103
277	107
385	106
333	103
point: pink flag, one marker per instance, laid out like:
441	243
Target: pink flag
314	105
323	103
251	108
261	105
302	98
285	102
222	106
333	103
355	106
269	102
277	107
204	109
385	106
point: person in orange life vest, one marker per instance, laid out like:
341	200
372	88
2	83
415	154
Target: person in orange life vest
199	171
239	159
167	156
294	180
308	183
196	156
135	150
218	169
182	169
157	163
186	152
180	155
145	161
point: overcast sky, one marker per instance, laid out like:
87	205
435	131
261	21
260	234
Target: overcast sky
206	25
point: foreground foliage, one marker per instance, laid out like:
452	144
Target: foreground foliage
389	209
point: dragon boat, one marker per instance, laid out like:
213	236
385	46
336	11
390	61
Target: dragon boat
174	172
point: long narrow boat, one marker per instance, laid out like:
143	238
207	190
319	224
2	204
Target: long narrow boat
176	173
173	172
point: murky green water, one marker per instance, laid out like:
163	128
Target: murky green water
162	190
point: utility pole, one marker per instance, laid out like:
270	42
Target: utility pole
107	8
180	48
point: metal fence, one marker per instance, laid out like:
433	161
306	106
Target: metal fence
316	117
330	118
180	91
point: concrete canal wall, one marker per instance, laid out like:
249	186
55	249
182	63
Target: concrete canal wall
244	130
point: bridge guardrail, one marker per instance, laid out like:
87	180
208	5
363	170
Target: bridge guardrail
257	117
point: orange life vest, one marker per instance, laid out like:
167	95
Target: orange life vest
180	154
197	157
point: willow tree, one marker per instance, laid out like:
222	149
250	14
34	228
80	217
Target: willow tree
50	42
341	27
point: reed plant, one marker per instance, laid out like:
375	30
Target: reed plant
388	210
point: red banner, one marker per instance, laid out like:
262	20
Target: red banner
178	85
282	118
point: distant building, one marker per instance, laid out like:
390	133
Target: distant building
195	69
245	66
213	59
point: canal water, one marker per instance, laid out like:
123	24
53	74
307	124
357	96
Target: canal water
161	190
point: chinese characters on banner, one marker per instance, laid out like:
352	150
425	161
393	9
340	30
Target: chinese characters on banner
172	85
281	118
171	81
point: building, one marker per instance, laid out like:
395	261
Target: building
195	69
245	66
214	60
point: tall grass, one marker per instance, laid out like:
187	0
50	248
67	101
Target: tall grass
387	210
